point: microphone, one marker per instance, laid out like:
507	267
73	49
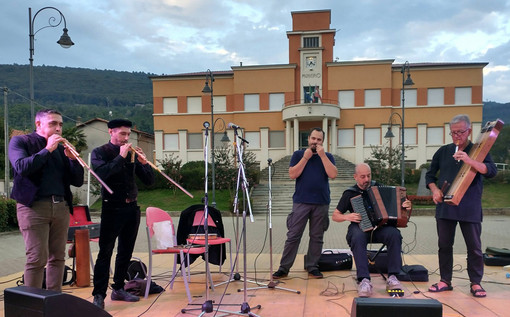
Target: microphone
269	161
206	124
233	126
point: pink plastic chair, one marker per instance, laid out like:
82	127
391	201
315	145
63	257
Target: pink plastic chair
198	221
154	215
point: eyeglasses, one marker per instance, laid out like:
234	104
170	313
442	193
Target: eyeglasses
458	133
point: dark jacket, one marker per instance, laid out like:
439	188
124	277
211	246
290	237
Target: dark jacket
28	157
119	173
185	228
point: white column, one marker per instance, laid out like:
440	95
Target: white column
334	141
421	142
288	137
264	147
359	146
325	129
296	134
158	145
183	145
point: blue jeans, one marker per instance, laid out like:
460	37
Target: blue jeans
44	230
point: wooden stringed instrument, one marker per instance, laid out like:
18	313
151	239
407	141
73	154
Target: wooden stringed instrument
478	152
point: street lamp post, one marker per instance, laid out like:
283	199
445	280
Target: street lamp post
208	89
389	134
64	41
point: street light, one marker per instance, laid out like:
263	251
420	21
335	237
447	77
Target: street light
208	89
389	134
64	41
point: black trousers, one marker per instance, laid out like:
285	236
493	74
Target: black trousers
472	237
117	221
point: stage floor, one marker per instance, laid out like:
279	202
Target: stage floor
332	295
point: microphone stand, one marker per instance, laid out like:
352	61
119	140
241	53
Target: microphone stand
271	284
241	180
207	306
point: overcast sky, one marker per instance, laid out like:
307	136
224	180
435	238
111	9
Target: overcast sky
180	36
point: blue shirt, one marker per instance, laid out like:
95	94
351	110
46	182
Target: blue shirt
312	186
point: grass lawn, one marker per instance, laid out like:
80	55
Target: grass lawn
170	200
494	196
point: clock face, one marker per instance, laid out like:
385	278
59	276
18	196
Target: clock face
311	61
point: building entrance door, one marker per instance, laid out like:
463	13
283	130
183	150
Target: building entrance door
303	139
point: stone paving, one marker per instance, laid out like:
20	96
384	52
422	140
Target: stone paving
418	238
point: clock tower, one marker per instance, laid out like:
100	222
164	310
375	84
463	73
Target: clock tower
311	47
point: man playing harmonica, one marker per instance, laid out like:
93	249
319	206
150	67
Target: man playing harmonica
44	170
448	160
311	168
358	240
117	166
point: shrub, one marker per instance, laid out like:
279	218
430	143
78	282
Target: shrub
8	218
421	200
193	174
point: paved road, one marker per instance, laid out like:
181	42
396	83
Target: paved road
418	238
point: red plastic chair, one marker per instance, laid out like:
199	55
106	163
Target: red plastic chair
81	217
153	215
198	221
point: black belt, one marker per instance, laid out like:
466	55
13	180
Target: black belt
54	198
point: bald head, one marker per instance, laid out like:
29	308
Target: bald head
363	175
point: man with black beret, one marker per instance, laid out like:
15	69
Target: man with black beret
116	163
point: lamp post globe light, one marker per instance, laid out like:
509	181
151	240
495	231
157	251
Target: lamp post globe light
208	89
64	41
405	82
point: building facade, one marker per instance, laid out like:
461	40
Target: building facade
355	102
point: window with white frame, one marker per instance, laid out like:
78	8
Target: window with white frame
463	96
276	139
435	136
194	104
171	141
220	104
411	97
345	137
372	137
410	136
253	139
372	97
346	98
276	101
435	96
251	102
195	141
170	105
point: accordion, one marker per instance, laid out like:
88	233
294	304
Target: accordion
382	206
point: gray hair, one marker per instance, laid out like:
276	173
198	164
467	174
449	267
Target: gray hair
461	118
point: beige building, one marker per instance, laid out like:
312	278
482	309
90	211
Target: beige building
355	102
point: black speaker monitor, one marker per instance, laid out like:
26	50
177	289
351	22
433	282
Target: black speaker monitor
383	307
23	301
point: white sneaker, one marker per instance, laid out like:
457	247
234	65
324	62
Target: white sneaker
365	288
393	283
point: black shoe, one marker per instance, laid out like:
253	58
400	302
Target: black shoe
279	274
121	294
315	274
99	301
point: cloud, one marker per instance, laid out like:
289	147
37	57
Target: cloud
175	36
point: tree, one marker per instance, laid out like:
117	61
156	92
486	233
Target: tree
385	163
76	138
500	151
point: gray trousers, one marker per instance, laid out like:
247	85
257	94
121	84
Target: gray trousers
44	229
318	219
